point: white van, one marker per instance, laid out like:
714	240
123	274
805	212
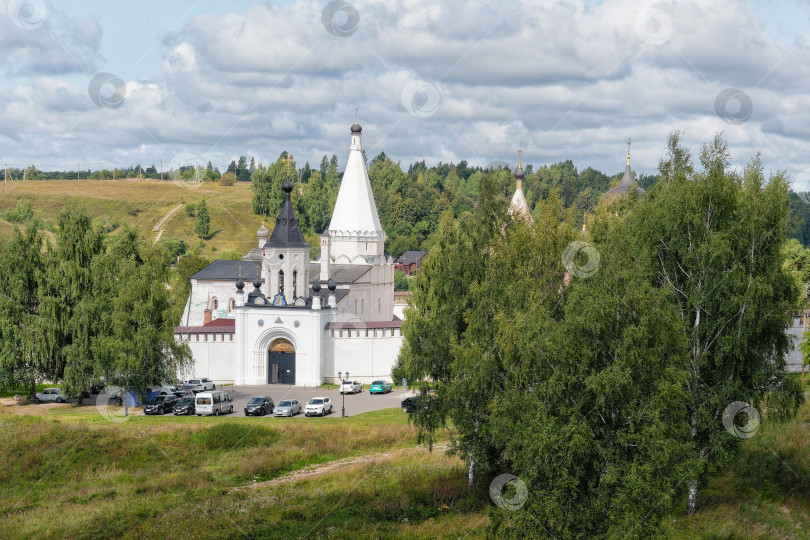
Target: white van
213	403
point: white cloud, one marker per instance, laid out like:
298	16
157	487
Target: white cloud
562	79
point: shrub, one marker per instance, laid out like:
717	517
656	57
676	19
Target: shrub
227	179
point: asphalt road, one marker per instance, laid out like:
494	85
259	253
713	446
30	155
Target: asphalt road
355	403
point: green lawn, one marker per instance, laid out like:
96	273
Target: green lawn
67	471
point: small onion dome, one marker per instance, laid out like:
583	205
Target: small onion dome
519	172
262	232
332	285
287	186
316	287
240	285
356	128
257	283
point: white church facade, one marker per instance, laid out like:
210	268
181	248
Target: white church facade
277	317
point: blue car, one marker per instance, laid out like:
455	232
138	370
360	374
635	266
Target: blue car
379	387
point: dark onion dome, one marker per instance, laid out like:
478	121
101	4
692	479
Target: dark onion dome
257	283
332	285
519	172
240	285
316	287
356	128
287	186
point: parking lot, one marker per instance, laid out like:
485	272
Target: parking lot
355	403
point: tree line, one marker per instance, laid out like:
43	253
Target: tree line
86	306
599	367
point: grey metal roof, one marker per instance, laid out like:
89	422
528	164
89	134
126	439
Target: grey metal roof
227	271
341	273
223	270
411	257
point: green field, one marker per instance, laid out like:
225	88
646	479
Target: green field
67	471
142	204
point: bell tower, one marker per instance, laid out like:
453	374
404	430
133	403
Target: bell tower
286	257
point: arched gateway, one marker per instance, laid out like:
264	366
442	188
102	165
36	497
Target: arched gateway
281	362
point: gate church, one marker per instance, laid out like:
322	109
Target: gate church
277	317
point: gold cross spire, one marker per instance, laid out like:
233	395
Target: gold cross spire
520	154
628	151
355	114
287	160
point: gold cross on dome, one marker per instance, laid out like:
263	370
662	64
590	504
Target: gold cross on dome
520	155
287	160
355	114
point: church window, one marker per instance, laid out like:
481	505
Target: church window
363	305
281	282
232	304
295	283
216	303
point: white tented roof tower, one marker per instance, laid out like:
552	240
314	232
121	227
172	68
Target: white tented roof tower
355	233
519	204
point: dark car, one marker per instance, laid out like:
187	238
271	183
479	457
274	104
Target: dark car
259	406
160	405
185	405
410	404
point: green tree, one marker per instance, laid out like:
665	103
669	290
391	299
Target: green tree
138	316
202	223
401	281
67	326
21	266
713	239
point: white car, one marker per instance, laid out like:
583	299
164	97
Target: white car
318	406
51	394
200	385
350	387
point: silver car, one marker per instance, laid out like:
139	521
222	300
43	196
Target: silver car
287	407
51	394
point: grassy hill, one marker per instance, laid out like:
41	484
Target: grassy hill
67	471
142	204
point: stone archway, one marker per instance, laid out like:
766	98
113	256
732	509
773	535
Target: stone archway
281	362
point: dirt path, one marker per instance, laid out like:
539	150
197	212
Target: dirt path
324	468
167	216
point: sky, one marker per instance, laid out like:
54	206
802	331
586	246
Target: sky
91	83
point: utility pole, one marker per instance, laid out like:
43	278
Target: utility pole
161	170
113	171
77	172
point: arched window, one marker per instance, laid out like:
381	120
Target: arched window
215	304
295	283
232	304
281	282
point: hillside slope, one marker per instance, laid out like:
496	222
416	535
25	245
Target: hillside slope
142	204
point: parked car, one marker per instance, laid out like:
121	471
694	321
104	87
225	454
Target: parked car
379	387
185	406
213	403
259	406
288	407
159	405
183	393
159	390
51	394
319	406
200	385
410	404
350	387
